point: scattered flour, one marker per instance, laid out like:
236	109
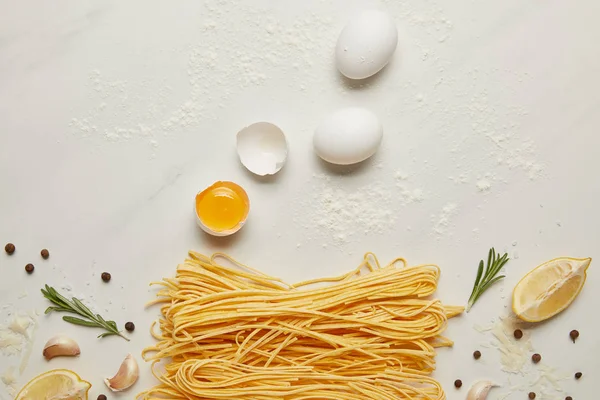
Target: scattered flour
484	186
480	126
343	215
221	63
442	222
462	178
341	212
407	192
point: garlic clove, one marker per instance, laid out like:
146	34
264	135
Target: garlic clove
60	346
126	376
479	390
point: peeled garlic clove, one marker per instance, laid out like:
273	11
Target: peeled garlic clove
126	376
479	390
60	346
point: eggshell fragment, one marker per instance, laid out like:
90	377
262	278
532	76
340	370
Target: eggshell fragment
262	148
366	44
348	136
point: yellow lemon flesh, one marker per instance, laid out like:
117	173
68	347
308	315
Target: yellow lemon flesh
54	385
550	288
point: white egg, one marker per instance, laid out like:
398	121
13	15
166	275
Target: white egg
262	148
366	44
348	136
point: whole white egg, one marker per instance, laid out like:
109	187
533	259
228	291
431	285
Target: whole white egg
366	44
348	136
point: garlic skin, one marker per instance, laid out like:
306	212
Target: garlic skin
126	376
60	346
479	390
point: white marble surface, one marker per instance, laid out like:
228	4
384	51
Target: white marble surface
114	114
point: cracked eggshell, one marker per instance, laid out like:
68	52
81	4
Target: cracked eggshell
262	148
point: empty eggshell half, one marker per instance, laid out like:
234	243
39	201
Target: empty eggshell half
262	148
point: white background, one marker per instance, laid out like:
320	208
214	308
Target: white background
114	114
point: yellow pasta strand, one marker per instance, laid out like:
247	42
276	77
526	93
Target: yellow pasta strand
232	332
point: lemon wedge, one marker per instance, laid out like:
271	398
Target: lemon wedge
549	288
54	385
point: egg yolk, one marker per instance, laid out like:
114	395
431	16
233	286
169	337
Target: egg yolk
221	207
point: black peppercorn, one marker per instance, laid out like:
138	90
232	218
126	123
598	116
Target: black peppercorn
578	375
536	358
45	254
105	276
518	334
531	395
568	398
477	354
574	334
29	268
101	397
457	383
9	248
129	326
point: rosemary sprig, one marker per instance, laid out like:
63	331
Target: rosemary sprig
487	279
75	306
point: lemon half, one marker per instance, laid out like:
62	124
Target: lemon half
549	288
56	384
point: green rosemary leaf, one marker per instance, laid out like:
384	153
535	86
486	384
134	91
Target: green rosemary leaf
482	283
76	306
79	321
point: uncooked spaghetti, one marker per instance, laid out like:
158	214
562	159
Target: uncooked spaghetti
231	332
